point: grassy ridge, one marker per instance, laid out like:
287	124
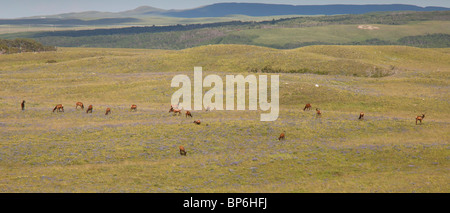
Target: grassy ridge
370	61
41	151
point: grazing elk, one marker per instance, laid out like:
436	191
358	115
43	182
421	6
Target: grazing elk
89	110
282	135
420	118
133	107
59	108
197	122
318	113
188	114
361	115
108	110
23	105
182	151
79	104
175	111
307	107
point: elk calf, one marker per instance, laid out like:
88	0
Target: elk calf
197	122
182	151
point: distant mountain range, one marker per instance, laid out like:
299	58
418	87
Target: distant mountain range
215	10
254	9
251	9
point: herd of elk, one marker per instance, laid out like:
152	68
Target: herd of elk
79	104
89	110
59	108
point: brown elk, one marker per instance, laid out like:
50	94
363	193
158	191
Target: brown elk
307	107
188	114
108	110
318	113
182	151
175	111
361	115
197	122
420	118
79	104
23	105
282	135
133	107
89	110
59	108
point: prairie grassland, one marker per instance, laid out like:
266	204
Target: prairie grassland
343	33
231	151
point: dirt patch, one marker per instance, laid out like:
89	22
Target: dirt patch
368	27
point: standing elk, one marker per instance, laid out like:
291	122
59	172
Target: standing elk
420	118
23	105
361	115
59	108
89	110
79	104
197	122
182	151
188	114
133	107
108	110
282	136
307	107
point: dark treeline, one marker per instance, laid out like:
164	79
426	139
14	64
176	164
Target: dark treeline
137	30
22	45
438	40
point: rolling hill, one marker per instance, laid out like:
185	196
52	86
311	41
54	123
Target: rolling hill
127	151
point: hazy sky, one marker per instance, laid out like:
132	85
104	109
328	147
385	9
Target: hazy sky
24	8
